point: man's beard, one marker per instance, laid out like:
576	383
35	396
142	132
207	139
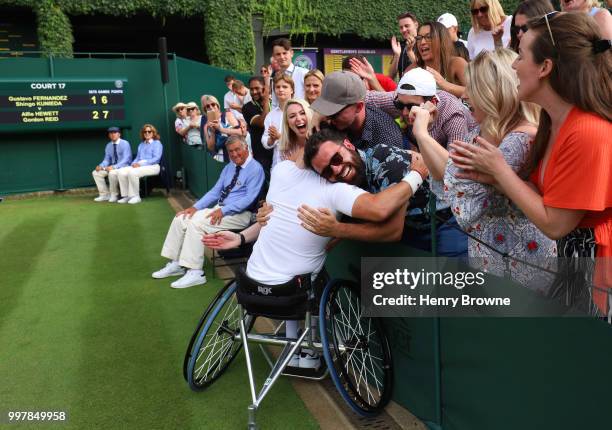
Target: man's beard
359	179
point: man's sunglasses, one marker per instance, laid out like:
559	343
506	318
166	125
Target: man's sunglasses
401	106
482	9
336	160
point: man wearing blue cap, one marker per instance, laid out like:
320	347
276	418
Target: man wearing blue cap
117	154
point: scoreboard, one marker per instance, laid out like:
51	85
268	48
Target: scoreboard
62	104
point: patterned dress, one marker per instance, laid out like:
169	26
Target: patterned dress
491	218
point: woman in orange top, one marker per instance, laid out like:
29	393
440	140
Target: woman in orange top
565	67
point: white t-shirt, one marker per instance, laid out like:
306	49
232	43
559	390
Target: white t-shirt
275	118
227	99
230	97
284	248
483	40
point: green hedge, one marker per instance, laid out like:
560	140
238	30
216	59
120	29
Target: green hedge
228	26
375	19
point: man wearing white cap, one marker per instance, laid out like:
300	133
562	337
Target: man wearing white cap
448	120
449	21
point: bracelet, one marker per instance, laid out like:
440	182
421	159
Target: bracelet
242	239
413	179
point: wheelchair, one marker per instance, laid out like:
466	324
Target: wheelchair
355	348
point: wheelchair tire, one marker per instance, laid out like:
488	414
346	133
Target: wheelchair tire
363	372
212	347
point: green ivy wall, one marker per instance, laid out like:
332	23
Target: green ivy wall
229	36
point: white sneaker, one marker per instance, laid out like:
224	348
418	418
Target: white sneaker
171	269
112	199
309	359
101	199
134	200
295	360
123	200
191	279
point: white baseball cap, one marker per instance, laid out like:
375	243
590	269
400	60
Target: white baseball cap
448	20
417	82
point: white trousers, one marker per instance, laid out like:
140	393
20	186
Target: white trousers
129	178
184	240
113	177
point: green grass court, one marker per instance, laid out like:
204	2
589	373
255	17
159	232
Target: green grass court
84	327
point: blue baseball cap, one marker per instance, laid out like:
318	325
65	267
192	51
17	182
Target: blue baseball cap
113	130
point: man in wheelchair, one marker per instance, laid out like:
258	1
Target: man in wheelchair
286	256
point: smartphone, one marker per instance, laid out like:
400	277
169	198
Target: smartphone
212	115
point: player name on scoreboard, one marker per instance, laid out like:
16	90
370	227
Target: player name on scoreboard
62	104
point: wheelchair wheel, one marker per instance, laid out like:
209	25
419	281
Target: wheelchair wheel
212	347
201	323
355	348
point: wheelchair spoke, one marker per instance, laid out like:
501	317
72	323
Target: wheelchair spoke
358	355
219	342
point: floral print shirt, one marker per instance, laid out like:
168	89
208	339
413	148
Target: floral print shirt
491	218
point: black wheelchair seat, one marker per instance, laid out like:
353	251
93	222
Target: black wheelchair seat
288	301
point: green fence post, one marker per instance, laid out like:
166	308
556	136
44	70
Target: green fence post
436	324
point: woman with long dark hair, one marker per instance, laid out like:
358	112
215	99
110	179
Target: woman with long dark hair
436	54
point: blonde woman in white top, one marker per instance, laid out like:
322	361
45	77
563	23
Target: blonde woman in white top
296	118
490	27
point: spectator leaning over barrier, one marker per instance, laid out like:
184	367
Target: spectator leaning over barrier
342	102
232	198
255	113
181	121
403	52
283	54
146	163
273	124
564	66
592	8
191	131
497	227
490	27
449	21
524	12
375	169
449	121
117	154
313	82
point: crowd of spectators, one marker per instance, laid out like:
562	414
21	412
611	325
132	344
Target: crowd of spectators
503	140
